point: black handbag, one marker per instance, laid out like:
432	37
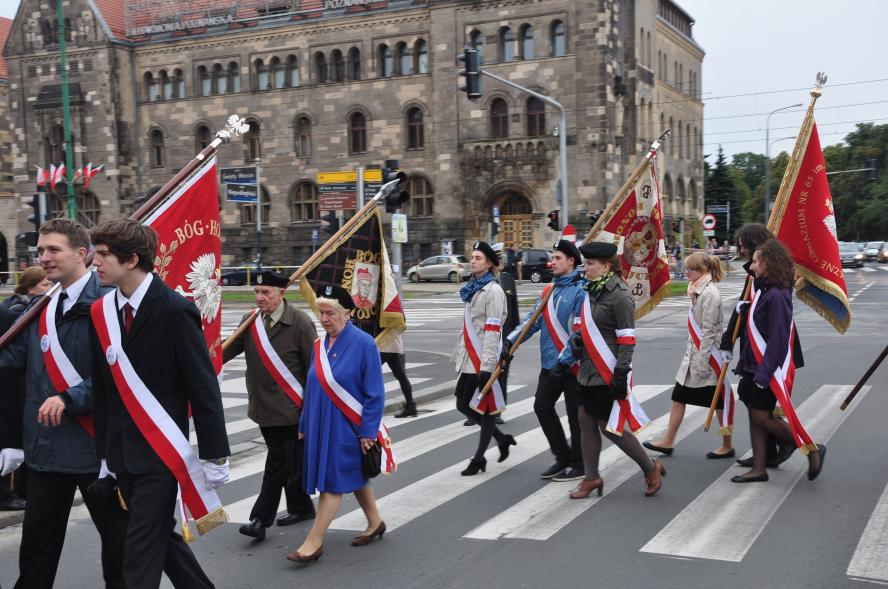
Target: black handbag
371	461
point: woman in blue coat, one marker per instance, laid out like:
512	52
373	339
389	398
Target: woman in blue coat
333	444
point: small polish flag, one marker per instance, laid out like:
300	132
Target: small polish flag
569	234
42	176
90	172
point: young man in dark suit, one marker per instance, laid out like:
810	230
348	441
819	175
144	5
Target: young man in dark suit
160	335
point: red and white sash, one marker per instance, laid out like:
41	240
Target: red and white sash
154	423
782	379
494	401
556	330
627	411
715	362
274	364
350	407
61	371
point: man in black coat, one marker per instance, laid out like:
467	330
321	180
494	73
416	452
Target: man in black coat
11	432
162	338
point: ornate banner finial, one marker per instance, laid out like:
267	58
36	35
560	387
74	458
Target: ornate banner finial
235	126
818	86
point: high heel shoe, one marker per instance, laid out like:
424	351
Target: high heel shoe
297	556
365	539
585	488
474	467
813	473
654	480
504	447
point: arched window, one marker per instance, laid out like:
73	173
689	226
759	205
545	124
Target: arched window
262	81
157	151
233	77
252	143
506	44
476	42
180	83
68	30
357	133
293	71
557	39
679	143
526	35
672	126
415	129
650	52
220	79
404	59
688	141
695	152
166	85
304	202
338	65
202	137
421	52
422	196
88	208
151	91
302	137
386	61
320	67
499	119
668	192
276	71
203	77
354	63
536	117
640	47
248	210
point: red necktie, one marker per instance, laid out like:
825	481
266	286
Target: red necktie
127	317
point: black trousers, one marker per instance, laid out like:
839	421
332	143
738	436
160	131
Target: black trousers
544	407
283	472
50	496
152	546
397	364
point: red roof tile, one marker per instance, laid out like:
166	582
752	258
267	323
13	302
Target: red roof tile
5	27
113	12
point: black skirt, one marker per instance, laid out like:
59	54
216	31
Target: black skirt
595	400
699	396
754	397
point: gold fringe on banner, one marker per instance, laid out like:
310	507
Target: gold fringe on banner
726	431
186	533
212	520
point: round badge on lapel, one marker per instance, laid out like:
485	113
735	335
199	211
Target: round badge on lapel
110	355
44	344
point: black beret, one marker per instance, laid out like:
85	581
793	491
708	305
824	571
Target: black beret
337	293
273	279
598	249
484	248
568	249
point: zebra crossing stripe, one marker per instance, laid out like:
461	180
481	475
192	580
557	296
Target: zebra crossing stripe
696	533
869	559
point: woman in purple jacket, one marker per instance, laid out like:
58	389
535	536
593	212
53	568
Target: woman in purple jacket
765	359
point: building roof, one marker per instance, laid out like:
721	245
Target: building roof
113	12
5	27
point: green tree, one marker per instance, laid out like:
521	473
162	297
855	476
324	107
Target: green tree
720	189
751	166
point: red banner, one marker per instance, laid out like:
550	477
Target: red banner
189	250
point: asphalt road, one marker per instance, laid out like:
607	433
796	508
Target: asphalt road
508	528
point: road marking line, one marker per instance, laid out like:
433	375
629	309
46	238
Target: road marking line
394	384
724	521
228	402
869	557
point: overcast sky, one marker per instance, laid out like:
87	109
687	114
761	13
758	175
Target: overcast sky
770	51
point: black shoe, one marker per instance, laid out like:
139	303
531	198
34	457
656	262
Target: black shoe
762	478
504	447
570	473
716	456
254	529
747	463
784	451
474	467
409	410
470	422
661	450
813	474
499	420
294	518
12	504
556	468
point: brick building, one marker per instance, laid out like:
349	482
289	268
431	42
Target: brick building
329	85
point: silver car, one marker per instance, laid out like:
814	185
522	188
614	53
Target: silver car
440	268
872	250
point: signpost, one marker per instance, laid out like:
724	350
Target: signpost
339	190
711	210
399	228
709	222
241	193
242	185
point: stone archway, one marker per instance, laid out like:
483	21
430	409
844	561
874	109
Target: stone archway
516	220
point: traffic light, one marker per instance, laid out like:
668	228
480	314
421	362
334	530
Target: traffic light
329	223
594	216
872	173
494	228
676	226
472	73
398	196
38	203
29	238
553	221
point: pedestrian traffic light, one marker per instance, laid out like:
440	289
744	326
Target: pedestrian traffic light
38	203
872	172
472	73
553	221
398	196
329	223
494	227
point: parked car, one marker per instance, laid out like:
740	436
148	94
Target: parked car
236	277
440	268
851	256
872	250
536	265
883	254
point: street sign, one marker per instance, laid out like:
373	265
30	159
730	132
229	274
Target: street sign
709	222
447	247
241	192
399	228
717	209
314	235
239	175
709	233
496	215
338	190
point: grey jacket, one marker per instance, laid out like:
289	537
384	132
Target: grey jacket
487	308
66	448
612	309
708	314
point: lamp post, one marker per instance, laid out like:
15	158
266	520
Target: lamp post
768	156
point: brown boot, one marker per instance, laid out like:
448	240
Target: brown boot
654	480
586	486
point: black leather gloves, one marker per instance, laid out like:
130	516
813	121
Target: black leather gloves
505	355
619	387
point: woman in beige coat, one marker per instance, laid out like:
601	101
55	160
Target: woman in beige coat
695	381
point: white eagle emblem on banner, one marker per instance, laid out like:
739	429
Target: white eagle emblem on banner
203	281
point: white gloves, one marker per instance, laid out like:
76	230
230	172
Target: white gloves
10	459
727	356
216	474
740	304
104	472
